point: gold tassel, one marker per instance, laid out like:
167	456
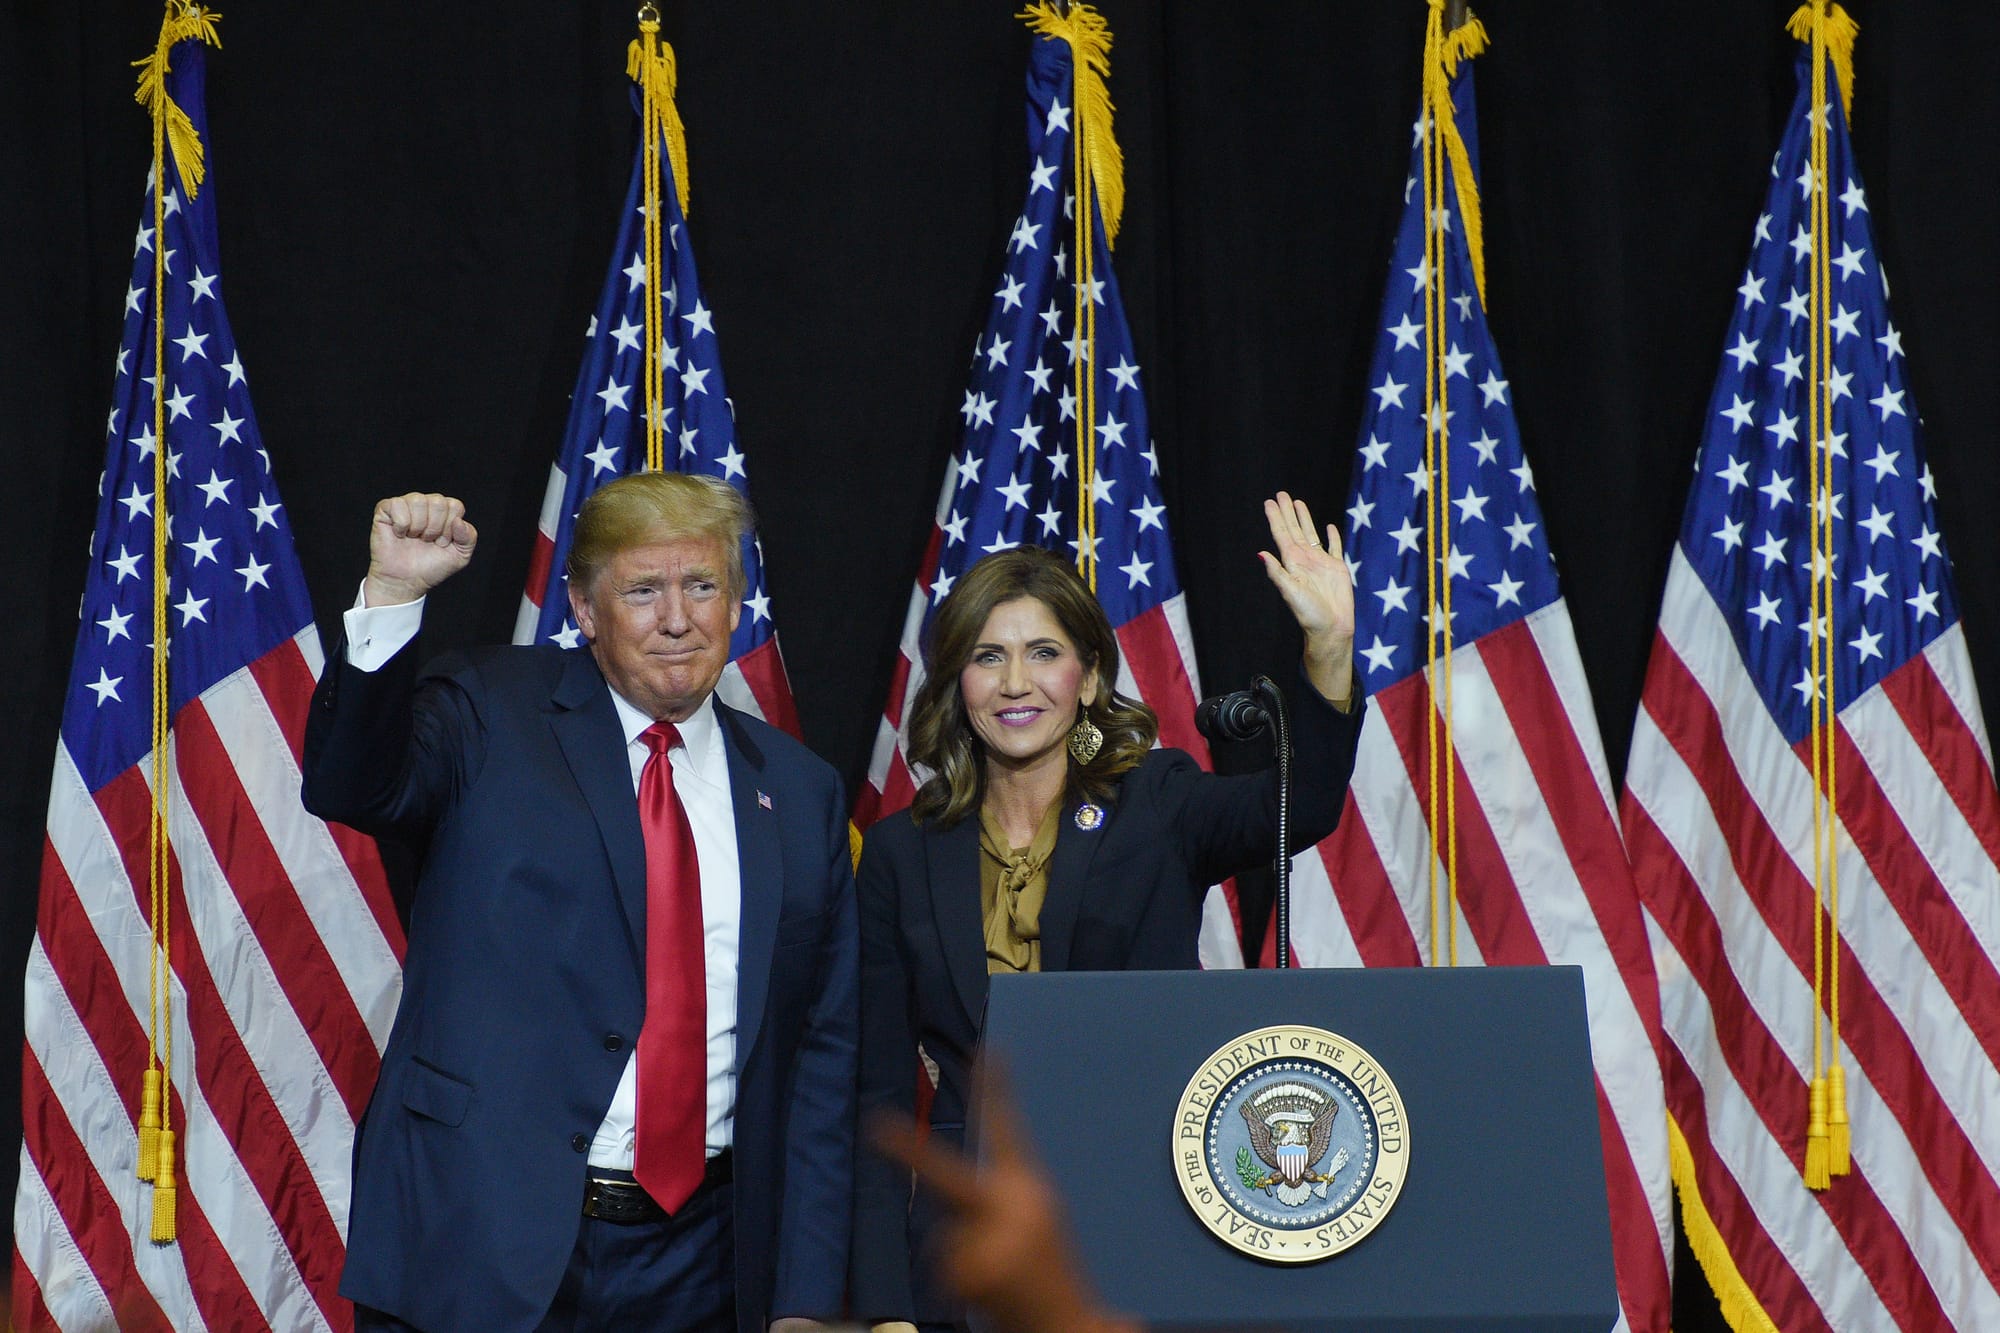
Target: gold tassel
1816	1166
1841	30
1089	38
183	21
1461	43
650	64
149	1125
164	1192
1839	1142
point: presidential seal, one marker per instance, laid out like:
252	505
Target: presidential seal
1291	1144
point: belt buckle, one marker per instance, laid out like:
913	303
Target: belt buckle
610	1199
618	1201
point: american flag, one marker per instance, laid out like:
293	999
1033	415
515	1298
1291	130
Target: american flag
285	945
606	439
1013	482
1718	811
1542	877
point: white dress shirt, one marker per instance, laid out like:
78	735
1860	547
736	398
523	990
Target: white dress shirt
701	779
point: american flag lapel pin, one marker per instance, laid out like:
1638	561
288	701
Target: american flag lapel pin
763	800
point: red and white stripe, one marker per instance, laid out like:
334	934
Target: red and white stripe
756	683
541	556
1156	665
286	973
1718	818
1542	879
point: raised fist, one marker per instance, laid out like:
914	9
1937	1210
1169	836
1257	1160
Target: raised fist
415	543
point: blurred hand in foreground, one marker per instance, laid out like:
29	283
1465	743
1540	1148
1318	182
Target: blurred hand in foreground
1006	1248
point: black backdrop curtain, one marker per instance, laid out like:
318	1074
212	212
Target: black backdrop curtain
417	204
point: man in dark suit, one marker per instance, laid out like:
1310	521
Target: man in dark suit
619	1093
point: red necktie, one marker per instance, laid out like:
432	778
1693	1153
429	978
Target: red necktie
672	1120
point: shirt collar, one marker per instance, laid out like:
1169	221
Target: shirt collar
701	734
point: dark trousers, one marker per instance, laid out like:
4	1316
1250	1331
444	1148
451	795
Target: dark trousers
673	1276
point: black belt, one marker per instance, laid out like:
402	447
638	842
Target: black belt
614	1196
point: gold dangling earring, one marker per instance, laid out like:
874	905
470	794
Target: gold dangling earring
1085	738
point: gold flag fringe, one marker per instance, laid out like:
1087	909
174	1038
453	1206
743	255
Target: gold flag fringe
650	64
1841	30
1740	1306
1461	43
183	21
1089	38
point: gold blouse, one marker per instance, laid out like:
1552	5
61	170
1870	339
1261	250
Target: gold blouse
1013	881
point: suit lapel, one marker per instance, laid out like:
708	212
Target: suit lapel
586	727
1069	874
761	869
952	857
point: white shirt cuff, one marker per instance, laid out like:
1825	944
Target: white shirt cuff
377	633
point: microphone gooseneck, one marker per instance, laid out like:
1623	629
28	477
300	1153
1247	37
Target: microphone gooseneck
1238	716
1281	737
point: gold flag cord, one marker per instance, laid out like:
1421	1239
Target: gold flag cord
1097	180
1818	617
1437	524
1839	1140
1444	148
1828	1149
157	844
649	171
1083	332
649	62
173	132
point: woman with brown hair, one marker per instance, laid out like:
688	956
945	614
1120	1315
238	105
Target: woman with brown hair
1052	836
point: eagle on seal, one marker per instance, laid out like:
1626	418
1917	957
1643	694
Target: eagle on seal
1291	1127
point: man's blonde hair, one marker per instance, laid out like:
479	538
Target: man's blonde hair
651	506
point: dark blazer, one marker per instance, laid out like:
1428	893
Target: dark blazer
524	988
1125	895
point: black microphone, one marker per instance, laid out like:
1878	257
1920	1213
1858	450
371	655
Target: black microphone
1236	716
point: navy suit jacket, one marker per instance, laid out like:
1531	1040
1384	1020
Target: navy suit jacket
1126	894
524	985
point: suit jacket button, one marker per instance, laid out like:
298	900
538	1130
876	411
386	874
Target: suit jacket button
613	1042
580	1142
